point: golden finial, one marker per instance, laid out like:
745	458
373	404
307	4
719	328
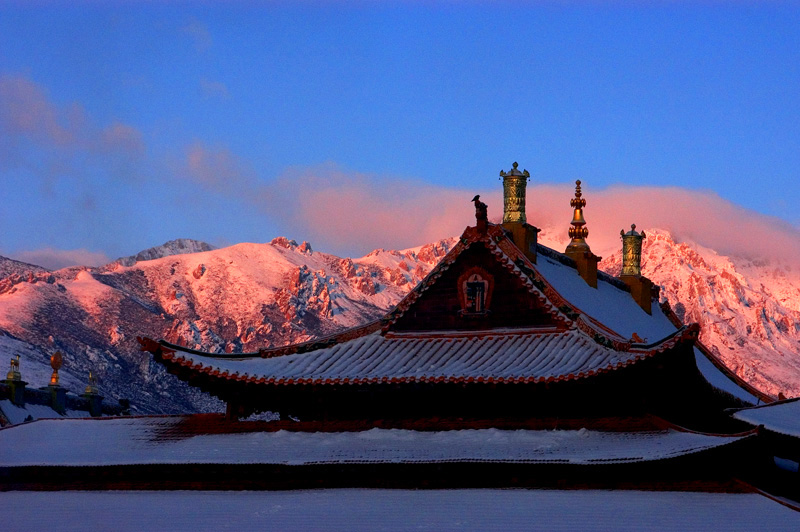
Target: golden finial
56	361
13	373
514	183
578	232
91	388
632	251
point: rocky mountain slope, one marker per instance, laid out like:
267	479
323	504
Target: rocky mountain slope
238	298
11	267
249	296
179	246
749	309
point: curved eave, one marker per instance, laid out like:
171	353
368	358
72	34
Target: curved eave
181	359
711	357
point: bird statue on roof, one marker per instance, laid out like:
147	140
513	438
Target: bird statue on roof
481	215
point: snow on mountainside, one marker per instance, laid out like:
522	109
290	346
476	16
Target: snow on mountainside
9	267
249	296
239	298
749	310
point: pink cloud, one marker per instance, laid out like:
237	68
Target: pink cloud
55	259
59	132
119	137
699	215
219	169
354	213
26	110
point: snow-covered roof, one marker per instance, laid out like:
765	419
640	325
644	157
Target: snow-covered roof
782	416
360	510
720	380
608	304
592	335
29	412
152	440
508	355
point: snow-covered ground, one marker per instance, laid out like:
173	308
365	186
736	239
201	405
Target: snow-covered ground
378	510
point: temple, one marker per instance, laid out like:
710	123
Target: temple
503	330
21	404
510	365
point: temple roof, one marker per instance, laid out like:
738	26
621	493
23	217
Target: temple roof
610	303
514	355
29	411
399	509
782	417
591	331
155	440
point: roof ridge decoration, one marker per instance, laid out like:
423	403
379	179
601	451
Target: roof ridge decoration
514	185
514	260
578	232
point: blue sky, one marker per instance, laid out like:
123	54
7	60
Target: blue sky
123	126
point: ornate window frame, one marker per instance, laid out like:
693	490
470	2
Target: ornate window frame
475	274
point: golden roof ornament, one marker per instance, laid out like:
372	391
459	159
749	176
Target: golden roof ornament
56	361
13	373
632	251
578	232
514	183
91	388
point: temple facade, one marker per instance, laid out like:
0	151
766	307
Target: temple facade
503	329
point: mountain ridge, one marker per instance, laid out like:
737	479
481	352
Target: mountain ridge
250	296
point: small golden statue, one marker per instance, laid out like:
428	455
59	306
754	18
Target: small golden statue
56	361
91	388
13	373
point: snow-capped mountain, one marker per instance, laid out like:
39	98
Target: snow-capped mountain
749	310
239	298
249	296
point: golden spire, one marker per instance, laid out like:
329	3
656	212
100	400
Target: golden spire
91	388
578	232
13	373
56	361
